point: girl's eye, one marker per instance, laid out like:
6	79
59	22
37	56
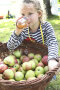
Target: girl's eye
30	13
23	14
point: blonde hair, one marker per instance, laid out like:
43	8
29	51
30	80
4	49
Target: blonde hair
39	6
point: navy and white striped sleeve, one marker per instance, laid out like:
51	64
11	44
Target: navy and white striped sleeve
51	42
15	41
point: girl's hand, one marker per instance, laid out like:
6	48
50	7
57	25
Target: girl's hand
52	64
18	31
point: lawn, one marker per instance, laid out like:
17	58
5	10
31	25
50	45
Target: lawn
8	25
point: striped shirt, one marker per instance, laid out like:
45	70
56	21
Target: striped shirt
49	39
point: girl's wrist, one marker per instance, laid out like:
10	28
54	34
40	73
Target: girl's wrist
18	31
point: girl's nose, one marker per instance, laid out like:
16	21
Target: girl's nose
28	20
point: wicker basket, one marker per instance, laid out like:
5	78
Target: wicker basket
37	84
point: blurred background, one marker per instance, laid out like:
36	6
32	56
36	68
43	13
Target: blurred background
11	6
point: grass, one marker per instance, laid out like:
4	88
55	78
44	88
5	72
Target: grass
8	25
6	28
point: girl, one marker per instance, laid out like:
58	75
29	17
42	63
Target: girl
37	29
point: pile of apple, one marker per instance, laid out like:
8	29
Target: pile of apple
18	67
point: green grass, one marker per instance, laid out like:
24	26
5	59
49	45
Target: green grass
6	28
8	25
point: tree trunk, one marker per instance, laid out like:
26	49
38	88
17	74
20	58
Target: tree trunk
48	7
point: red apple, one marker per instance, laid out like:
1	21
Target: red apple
3	67
45	60
16	61
25	59
13	69
40	75
27	66
40	64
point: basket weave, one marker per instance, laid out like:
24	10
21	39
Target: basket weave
37	84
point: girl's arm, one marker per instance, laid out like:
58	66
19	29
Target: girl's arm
16	39
52	46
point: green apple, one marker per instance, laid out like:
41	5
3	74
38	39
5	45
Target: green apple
36	61
39	70
46	69
21	70
33	64
40	75
19	76
38	57
17	53
26	66
11	80
31	78
9	60
8	74
16	66
31	55
29	74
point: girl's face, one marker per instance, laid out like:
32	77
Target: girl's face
29	11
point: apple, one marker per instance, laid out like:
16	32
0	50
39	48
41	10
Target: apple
40	75
46	69
22	56
21	70
17	53
16	66
8	74
25	59
31	78
38	57
36	61
45	60
13	69
39	70
3	67
9	60
26	66
29	74
31	55
11	80
40	64
16	61
33	64
19	76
